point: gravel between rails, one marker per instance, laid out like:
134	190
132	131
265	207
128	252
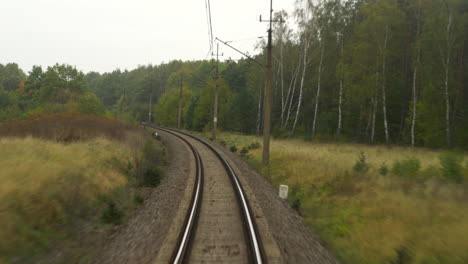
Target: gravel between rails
294	238
140	240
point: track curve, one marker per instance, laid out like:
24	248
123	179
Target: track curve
182	252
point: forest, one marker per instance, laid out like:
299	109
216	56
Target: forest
390	72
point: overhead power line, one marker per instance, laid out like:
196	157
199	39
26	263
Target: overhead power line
209	22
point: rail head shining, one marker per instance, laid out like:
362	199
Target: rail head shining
191	220
256	249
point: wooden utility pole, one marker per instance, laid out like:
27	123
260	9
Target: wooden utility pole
150	100
267	102
179	121
268	81
215	110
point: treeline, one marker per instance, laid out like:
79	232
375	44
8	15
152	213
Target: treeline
59	89
388	71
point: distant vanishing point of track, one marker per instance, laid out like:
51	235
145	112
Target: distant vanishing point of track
219	226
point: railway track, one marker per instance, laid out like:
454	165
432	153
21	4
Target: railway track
219	226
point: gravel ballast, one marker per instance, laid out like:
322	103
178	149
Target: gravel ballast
296	242
140	240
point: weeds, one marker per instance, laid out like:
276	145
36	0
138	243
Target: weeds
152	177
112	214
138	199
244	152
233	149
254	145
361	166
451	167
383	170
408	167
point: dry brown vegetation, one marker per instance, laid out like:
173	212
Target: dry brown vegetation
60	173
67	128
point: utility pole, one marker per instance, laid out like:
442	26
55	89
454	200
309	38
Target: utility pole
268	81
215	110
150	100
179	122
267	104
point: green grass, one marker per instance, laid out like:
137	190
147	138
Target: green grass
414	212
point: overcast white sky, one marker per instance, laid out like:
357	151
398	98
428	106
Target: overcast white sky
103	35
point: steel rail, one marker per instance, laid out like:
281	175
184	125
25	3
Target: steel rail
255	246
191	220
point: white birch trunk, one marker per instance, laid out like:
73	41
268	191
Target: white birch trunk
293	92
340	98
446	90
384	99
317	96
301	87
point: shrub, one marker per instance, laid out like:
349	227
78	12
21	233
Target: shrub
138	199
254	145
403	256
383	170
451	167
409	167
233	149
222	143
152	177
112	214
244	152
361	166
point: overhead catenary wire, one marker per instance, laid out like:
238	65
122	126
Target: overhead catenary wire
210	25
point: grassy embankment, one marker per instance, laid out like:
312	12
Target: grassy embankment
395	205
64	177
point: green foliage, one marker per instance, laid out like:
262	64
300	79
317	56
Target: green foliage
112	214
138	199
383	170
452	168
152	177
244	152
403	256
407	168
361	165
233	149
254	145
166	110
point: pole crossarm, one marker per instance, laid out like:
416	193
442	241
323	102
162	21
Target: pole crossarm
249	57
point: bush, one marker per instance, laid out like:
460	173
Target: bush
383	170
361	166
138	199
112	214
222	143
233	149
254	145
152	177
244	152
451	167
409	167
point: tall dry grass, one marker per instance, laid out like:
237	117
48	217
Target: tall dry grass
67	128
45	185
59	170
369	217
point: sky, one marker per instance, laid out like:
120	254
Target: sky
104	35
